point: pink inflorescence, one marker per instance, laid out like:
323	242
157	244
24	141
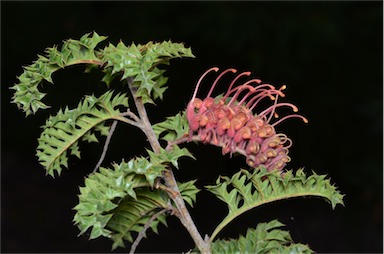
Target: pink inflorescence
229	121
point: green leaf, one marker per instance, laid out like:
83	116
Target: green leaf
245	190
142	166
173	128
171	156
63	132
141	62
266	238
108	77
132	214
27	95
118	202
188	191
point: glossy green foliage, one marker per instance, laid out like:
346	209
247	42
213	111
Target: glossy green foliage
189	191
62	133
173	128
170	156
246	190
141	62
125	201
266	238
131	215
118	202
27	95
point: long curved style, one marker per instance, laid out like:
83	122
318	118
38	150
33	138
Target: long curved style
229	121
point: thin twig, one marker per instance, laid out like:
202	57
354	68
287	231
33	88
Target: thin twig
106	144
177	142
135	122
146	226
131	115
128	121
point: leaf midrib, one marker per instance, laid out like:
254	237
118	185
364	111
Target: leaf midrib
82	133
235	213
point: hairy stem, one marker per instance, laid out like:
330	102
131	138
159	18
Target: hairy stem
169	179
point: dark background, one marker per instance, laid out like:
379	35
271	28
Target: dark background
329	54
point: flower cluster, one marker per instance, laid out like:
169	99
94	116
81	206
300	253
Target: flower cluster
229	122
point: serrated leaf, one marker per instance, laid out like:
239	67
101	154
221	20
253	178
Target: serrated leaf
132	214
173	128
109	76
62	132
266	238
118	202
90	137
140	63
188	191
27	95
245	190
170	156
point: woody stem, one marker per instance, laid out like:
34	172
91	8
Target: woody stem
169	179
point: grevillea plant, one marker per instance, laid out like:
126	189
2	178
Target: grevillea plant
122	201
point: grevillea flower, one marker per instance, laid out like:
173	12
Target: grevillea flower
229	121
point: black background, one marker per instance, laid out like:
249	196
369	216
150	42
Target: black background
329	54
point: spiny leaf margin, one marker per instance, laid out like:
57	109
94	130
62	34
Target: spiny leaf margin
188	191
266	238
62	133
116	202
27	95
173	128
246	190
170	156
141	62
132	215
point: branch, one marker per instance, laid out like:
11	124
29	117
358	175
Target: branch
146	125
146	226
169	179
184	216
106	144
131	115
136	123
178	141
121	118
